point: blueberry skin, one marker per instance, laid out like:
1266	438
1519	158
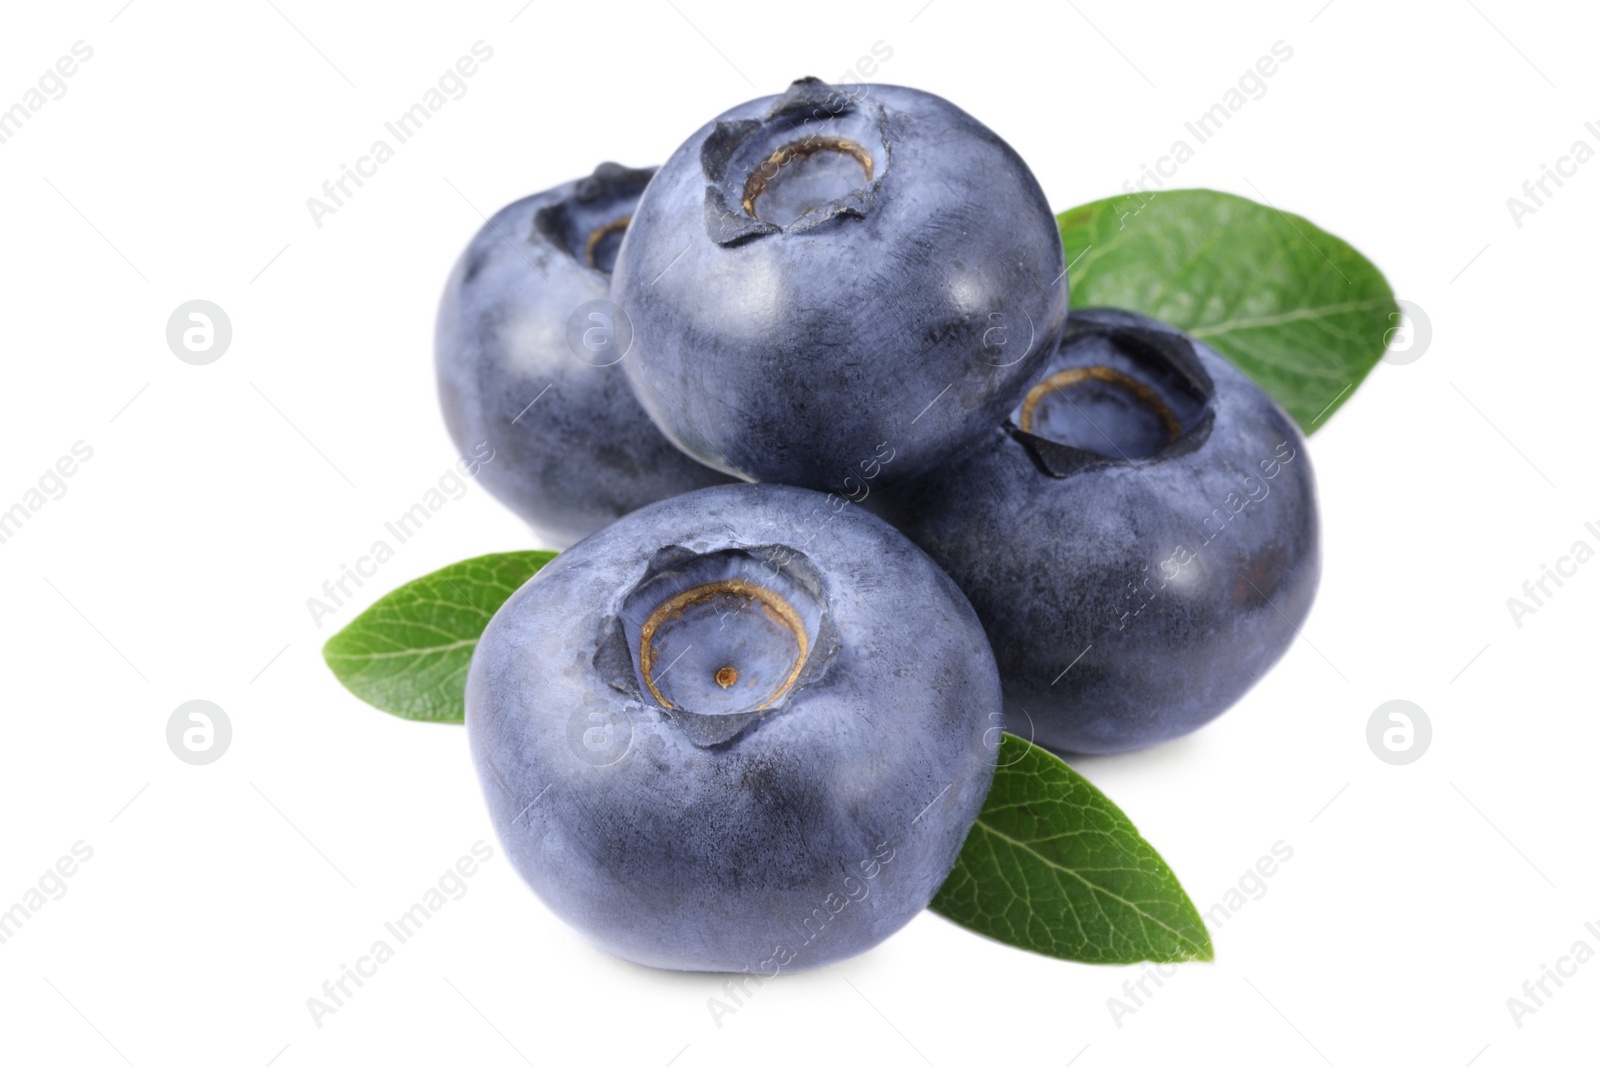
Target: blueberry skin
904	317
585	453
1169	583
799	835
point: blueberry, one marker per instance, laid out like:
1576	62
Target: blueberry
735	731
526	352
1139	538
832	276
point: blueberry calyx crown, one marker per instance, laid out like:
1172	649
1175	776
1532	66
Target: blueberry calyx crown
794	154
723	597
1115	395
716	640
588	225
809	161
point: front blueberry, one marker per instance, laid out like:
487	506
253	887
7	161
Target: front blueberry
526	348
825	278
1139	538
737	730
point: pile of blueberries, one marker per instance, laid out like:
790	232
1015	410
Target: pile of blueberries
847	492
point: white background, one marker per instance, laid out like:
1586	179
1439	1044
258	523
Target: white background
219	498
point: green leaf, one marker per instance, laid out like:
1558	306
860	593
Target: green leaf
1296	308
1054	867
408	653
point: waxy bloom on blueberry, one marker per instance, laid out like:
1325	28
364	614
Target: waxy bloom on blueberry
527	349
820	278
1139	537
723	734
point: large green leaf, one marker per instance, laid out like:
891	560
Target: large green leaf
1054	867
1296	308
408	653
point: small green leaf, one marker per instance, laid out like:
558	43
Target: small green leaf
1054	867
1296	308
408	653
